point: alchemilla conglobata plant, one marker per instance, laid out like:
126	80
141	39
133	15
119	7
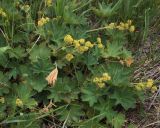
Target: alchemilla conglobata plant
68	60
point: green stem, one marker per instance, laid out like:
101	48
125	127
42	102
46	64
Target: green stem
98	29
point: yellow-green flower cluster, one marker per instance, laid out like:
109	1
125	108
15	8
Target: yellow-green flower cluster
43	21
2	100
100	81
122	26
99	41
68	39
111	26
19	102
80	45
2	13
147	85
25	8
48	3
69	57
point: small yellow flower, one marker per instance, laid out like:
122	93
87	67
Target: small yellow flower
40	23
27	8
109	77
111	26
48	2
154	89
100	46
2	13
68	39
141	85
120	28
138	88
149	83
132	28
69	57
47	19
76	43
82	41
96	80
82	49
89	44
106	77
122	24
99	40
43	21
101	85
126	25
85	48
100	81
19	102
2	100
105	74
129	22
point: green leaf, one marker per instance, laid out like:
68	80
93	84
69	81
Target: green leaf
3	90
2	110
70	113
92	123
37	82
104	10
13	73
24	93
105	109
3	60
25	120
80	77
118	121
4	49
17	52
3	57
120	75
39	51
107	10
60	64
43	66
90	94
114	49
71	18
90	60
126	53
3	84
64	90
57	36
3	77
97	69
124	97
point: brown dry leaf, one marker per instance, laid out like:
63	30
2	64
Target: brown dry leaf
129	61
52	77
